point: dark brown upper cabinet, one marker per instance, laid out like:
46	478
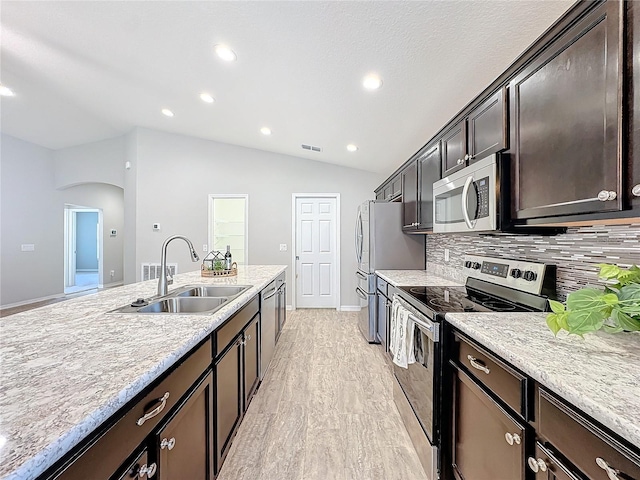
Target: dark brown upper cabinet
482	132
410	197
429	164
566	108
633	51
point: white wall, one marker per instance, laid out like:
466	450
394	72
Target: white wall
97	162
30	214
175	174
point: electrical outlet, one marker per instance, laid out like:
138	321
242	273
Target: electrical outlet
205	248
112	273
446	254
283	247
156	227
27	247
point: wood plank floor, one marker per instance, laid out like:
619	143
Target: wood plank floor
324	411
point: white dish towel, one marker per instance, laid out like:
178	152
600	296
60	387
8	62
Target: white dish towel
401	334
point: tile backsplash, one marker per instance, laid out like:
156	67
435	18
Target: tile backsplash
575	253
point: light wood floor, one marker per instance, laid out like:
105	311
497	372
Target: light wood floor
324	410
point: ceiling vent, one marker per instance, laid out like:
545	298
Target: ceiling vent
312	148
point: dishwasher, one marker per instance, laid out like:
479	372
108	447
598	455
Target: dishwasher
268	319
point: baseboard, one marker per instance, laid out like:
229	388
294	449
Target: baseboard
31	300
350	308
290	308
112	284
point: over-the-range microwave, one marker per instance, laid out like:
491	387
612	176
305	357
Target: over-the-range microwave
469	200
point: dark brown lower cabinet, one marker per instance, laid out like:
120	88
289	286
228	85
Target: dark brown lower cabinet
251	355
228	410
487	442
139	469
184	445
548	466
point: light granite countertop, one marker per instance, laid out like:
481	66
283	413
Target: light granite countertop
599	374
68	367
413	278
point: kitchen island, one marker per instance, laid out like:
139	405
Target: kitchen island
67	368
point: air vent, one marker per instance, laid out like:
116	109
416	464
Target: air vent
150	271
312	148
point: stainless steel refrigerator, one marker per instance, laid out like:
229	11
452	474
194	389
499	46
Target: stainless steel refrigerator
381	245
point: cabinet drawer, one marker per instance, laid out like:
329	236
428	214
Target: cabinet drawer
502	380
583	443
381	285
108	452
547	466
234	326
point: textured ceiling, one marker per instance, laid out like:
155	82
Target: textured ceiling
87	71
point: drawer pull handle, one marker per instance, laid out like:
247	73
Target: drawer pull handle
512	438
149	470
611	473
478	365
168	444
155	411
537	464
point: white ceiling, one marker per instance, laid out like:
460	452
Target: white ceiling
87	71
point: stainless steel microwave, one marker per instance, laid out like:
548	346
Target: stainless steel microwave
467	200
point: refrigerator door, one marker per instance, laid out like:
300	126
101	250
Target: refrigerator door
362	236
367	315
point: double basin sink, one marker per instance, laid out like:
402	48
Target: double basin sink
204	299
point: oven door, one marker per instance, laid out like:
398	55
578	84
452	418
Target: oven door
467	200
419	380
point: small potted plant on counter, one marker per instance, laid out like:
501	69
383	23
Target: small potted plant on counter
614	309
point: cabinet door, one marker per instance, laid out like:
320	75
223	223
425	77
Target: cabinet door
387	192
228	399
396	187
487	125
251	355
487	443
380	195
633	52
565	109
454	148
184	443
381	319
410	197
428	173
139	469
547	466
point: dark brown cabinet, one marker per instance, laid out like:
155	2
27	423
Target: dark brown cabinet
251	354
454	148
632	187
566	122
487	442
184	443
410	197
139	469
390	191
548	466
429	164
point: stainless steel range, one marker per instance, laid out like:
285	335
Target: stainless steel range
493	285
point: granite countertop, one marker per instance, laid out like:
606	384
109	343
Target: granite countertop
599	374
68	367
408	278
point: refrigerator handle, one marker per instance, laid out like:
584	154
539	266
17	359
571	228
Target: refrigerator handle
359	237
361	275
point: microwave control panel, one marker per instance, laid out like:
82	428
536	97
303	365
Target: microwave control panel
482	187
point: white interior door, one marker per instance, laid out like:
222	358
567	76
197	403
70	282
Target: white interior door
316	252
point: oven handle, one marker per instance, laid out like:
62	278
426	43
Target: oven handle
429	328
465	191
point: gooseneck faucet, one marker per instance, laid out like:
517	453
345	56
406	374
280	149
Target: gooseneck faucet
162	281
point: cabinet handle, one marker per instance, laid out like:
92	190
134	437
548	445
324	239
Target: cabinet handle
468	157
149	471
247	339
168	444
459	161
606	195
512	438
478	365
635	191
611	473
155	411
537	464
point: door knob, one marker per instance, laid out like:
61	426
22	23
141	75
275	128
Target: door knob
168	444
537	464
148	470
636	190
605	195
512	438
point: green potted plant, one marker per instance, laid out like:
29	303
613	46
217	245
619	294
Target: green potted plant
614	309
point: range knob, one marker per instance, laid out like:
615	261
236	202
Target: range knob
475	266
467	264
516	273
529	276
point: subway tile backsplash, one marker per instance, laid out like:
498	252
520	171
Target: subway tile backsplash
575	253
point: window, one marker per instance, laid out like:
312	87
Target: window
228	225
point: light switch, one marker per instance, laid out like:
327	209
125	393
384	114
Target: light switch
283	247
114	232
205	248
28	247
156	227
446	254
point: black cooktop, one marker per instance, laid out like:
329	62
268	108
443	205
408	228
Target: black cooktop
460	299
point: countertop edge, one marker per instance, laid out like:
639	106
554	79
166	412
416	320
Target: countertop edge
52	453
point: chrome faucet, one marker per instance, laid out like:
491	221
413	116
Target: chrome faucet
162	281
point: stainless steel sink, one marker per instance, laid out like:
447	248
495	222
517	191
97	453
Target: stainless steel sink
184	305
211	291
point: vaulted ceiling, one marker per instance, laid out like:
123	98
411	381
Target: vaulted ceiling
84	71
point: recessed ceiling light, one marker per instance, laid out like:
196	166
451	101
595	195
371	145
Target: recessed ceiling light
225	53
372	82
6	91
167	112
205	97
265	131
352	148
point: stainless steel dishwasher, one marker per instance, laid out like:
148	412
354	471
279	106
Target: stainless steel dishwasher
268	319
